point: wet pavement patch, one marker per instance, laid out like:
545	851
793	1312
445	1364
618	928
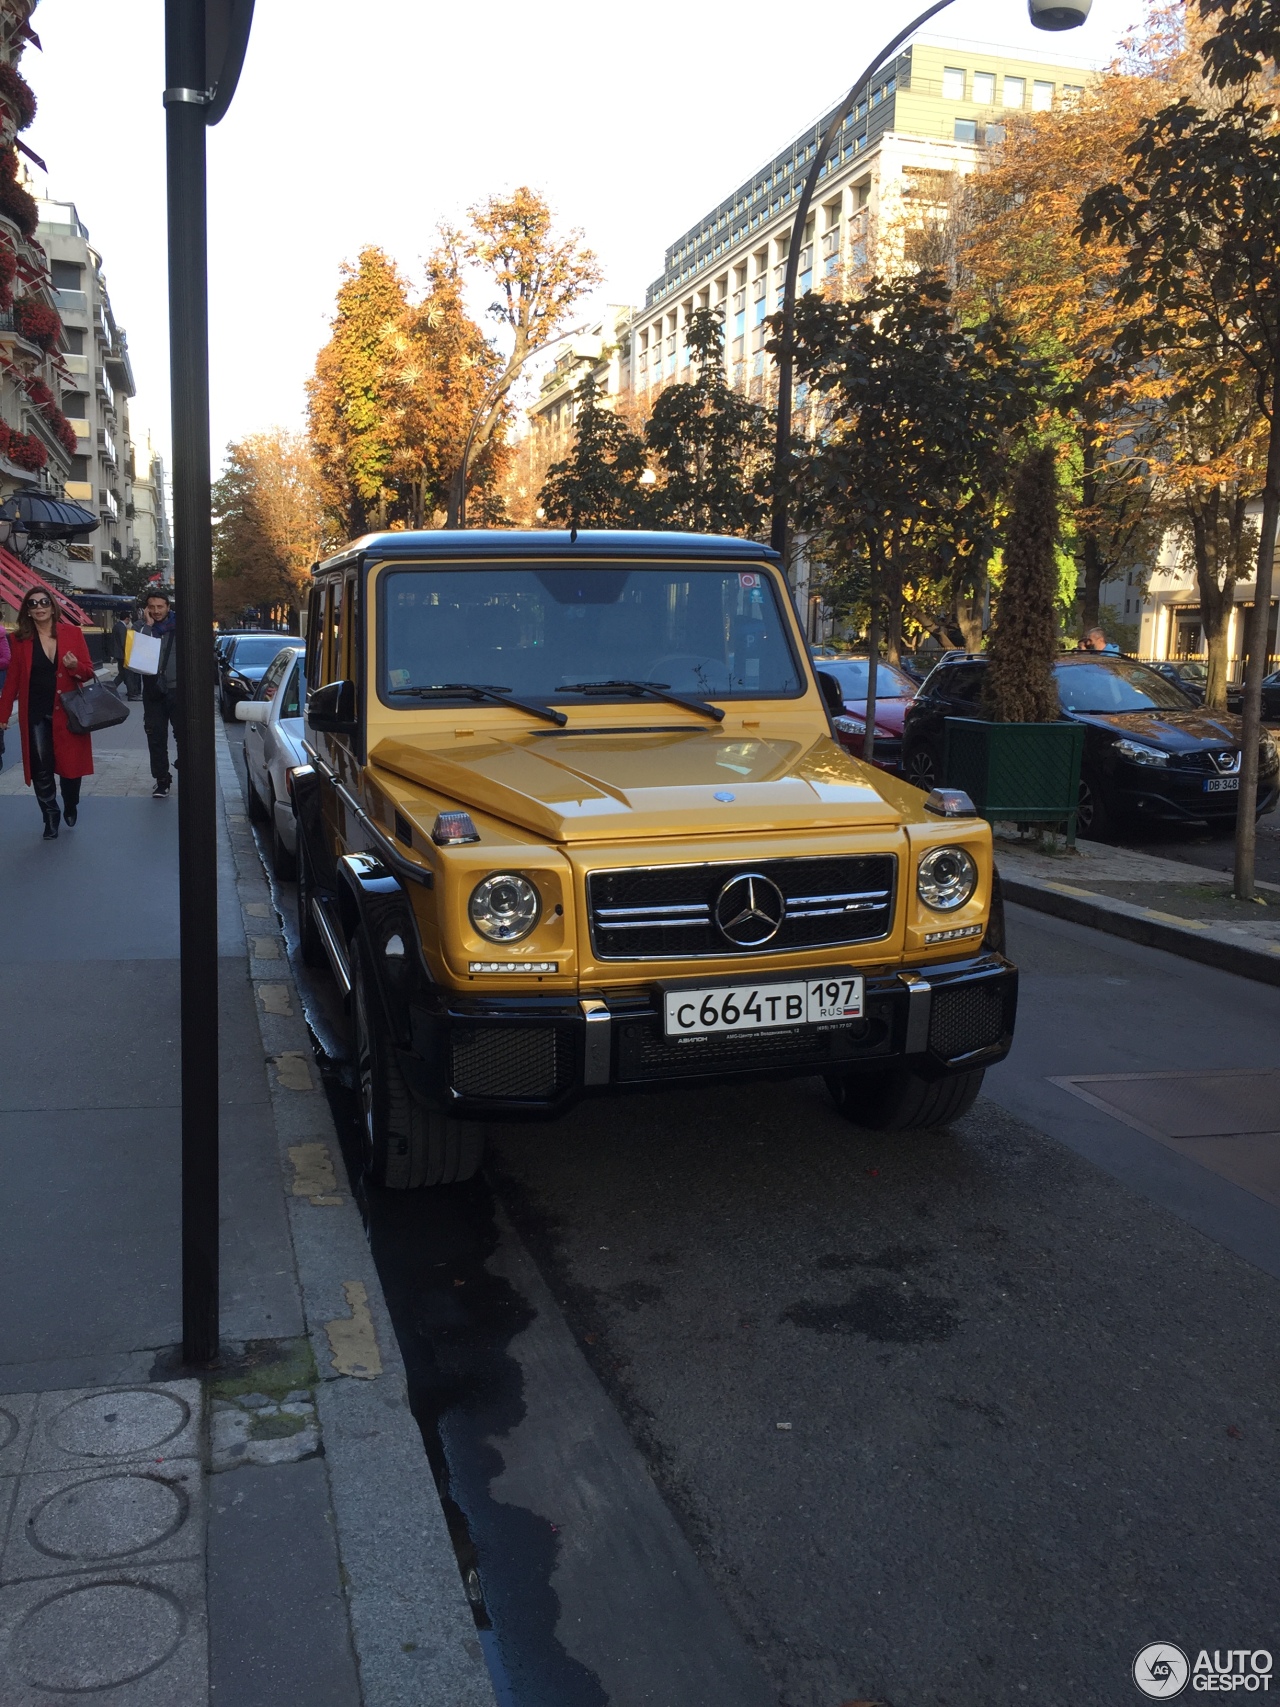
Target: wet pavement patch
885	1312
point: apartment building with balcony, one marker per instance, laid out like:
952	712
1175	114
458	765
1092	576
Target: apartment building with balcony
602	349
96	355
891	175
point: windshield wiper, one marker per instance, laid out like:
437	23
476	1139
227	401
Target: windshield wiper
659	690
481	690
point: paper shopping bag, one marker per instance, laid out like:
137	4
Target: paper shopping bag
141	653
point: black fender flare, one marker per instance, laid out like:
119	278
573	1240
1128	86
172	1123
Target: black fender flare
373	904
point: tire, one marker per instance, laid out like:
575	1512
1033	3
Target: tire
257	811
921	769
994	940
902	1101
1093	818
226	715
283	863
406	1145
310	946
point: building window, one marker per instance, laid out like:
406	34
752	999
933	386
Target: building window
952	83
1041	97
966	130
1014	92
995	134
1071	93
66	275
75	339
862	141
984	88
76	405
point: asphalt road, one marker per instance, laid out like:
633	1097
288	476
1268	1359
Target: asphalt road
950	1421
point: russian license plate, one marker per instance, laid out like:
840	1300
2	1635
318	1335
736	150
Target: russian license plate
1221	784
762	1007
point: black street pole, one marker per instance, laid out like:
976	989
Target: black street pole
786	353
1045	15
186	98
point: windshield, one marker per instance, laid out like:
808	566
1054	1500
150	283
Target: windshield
534	630
257	654
851	673
1116	685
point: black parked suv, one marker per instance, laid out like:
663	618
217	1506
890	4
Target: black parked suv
242	662
1148	752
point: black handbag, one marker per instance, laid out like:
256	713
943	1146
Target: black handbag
92	706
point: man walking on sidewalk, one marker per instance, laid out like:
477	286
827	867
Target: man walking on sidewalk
160	693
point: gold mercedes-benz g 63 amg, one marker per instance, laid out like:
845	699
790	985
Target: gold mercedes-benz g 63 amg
574	821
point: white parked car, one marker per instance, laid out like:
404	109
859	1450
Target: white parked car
272	749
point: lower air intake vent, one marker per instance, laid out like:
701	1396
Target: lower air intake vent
510	1061
968	1017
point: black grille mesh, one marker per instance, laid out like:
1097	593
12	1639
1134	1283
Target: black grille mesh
700	884
511	1061
968	1017
645	1053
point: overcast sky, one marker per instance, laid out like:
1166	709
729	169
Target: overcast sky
371	123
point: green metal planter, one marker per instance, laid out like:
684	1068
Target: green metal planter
1022	773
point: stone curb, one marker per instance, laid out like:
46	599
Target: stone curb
1192	939
415	1638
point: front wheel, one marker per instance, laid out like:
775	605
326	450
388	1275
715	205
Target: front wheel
310	945
406	1144
902	1101
922	769
1093	817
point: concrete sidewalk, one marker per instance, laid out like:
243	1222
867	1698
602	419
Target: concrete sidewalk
1161	903
269	1532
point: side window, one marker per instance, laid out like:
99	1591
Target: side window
961	683
271	681
290	708
350	662
315	635
336	671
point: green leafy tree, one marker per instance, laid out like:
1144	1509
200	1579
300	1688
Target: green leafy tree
598	484
1018	686
1197	215
711	447
914	417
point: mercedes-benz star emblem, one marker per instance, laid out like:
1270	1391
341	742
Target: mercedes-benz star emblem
749	910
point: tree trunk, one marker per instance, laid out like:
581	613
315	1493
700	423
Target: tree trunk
1215	601
893	614
1091	555
873	656
1256	669
1216	630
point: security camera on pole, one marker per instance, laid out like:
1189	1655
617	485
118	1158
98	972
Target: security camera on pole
1045	15
205	42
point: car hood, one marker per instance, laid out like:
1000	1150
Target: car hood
598	787
1175	731
889	713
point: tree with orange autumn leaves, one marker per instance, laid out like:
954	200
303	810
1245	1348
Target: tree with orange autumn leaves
410	399
1169	446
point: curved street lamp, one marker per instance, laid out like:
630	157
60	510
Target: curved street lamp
1045	15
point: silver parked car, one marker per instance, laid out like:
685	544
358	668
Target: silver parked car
272	750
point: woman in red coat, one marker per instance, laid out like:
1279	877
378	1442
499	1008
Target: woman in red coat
49	659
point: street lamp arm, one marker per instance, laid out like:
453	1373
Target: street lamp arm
786	352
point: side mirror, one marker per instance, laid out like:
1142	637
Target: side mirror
832	692
332	708
253	711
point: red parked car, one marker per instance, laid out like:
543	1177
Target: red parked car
894	693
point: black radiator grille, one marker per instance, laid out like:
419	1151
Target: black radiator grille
668	912
967	1017
511	1060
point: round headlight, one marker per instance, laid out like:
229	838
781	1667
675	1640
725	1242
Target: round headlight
504	907
946	879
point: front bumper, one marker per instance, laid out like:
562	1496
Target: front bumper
1175	798
533	1057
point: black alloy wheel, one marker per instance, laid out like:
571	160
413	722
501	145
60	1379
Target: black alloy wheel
1093	818
922	769
310	945
405	1143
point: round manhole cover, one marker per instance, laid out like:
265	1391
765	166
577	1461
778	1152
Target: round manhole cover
112	1425
107	1518
97	1637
